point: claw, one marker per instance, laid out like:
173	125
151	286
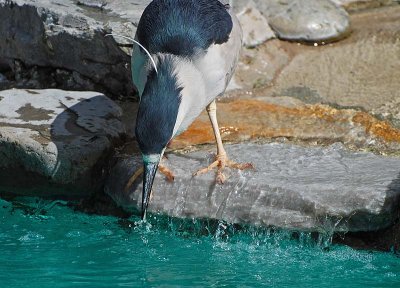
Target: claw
220	163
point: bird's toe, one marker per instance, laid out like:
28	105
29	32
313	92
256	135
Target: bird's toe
220	177
240	166
221	163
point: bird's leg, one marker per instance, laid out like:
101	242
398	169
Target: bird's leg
221	160
133	178
163	169
167	172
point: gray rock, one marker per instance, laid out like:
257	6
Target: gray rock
93	3
353	5
62	34
314	189
54	142
3	79
70	35
254	25
306	20
237	5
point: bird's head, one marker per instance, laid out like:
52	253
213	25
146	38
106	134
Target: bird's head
156	118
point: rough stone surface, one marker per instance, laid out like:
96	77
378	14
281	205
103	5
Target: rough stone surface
64	35
317	189
358	72
61	43
254	25
354	5
52	142
306	20
275	117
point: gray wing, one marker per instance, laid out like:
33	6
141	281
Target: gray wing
218	64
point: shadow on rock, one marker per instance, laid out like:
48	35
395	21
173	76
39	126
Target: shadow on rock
85	134
387	239
54	143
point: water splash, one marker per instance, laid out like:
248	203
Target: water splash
222	232
72	248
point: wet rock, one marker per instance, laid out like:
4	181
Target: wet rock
54	142
254	25
306	20
315	189
387	239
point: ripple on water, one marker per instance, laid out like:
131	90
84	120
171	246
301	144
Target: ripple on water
31	237
71	249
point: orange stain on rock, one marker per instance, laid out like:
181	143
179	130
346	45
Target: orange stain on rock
381	129
251	119
200	132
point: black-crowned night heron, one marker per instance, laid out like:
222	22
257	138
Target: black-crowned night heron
187	54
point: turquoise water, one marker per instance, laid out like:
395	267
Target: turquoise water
48	244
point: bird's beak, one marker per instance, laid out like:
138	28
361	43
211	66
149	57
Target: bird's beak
150	170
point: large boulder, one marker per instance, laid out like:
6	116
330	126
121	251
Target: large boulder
54	142
313	189
68	36
306	20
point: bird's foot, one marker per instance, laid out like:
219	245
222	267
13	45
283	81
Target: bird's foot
220	163
167	172
169	175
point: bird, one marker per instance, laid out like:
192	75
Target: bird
187	53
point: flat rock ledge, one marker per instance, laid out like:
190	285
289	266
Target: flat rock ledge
54	142
312	189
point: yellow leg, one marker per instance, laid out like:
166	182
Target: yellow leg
221	160
133	178
163	169
167	173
